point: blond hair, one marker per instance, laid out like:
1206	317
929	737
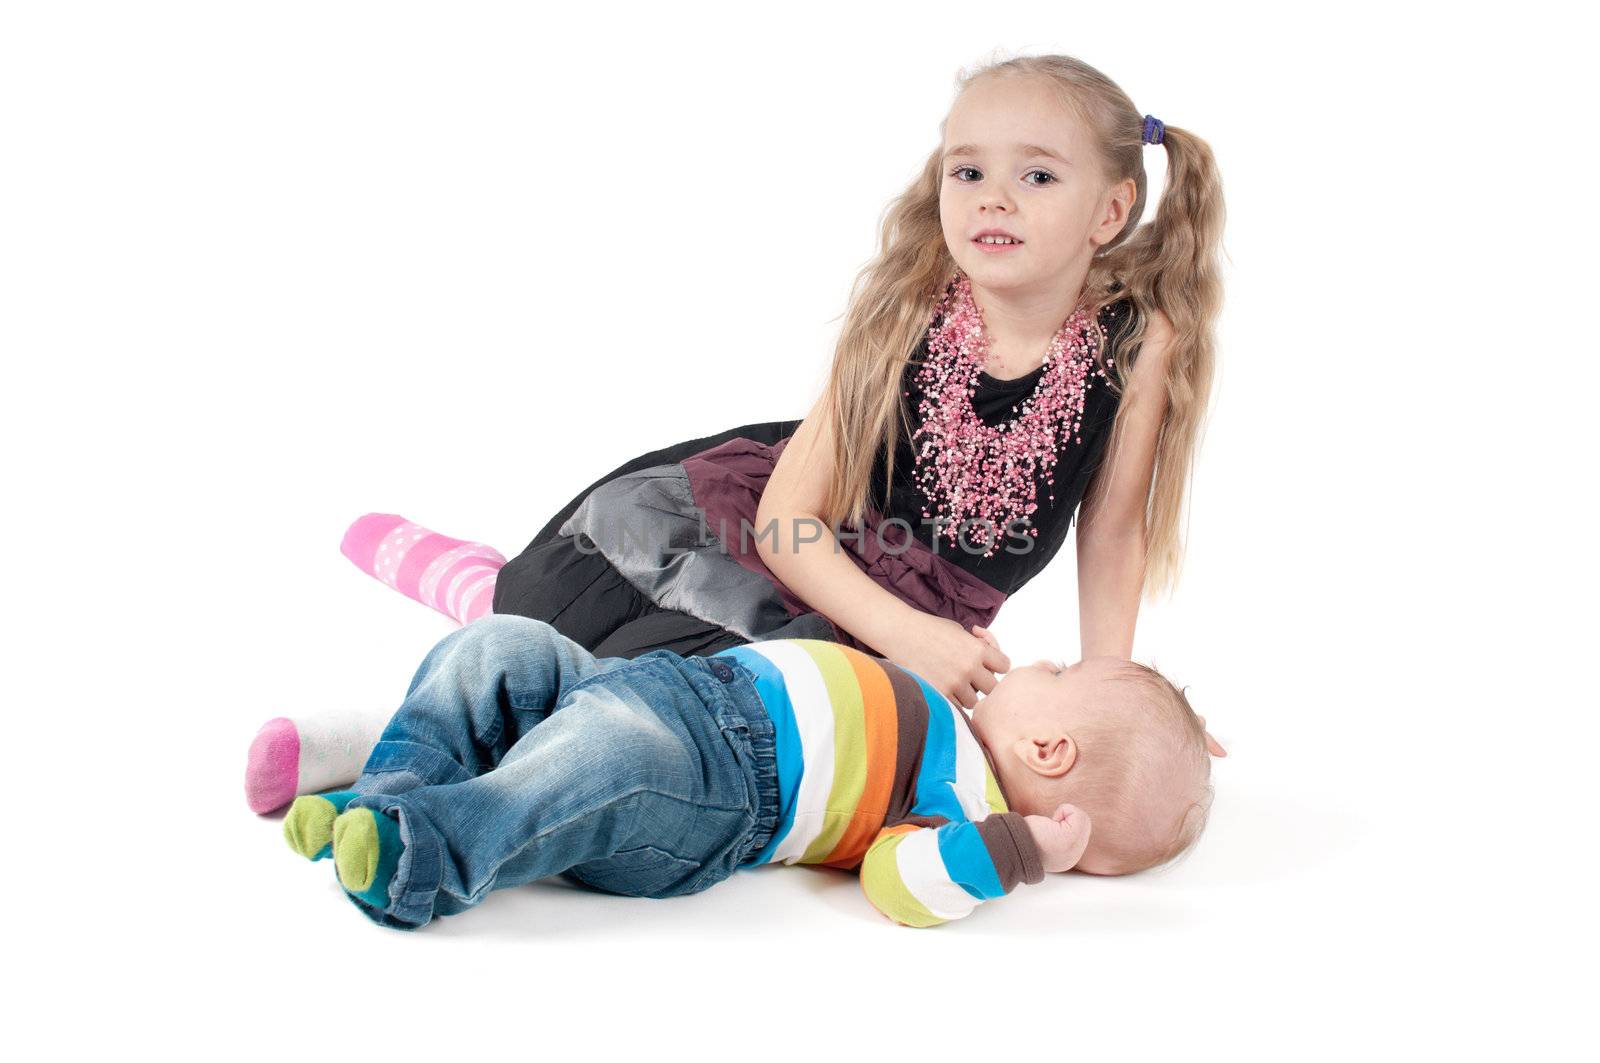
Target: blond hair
1143	775
1170	265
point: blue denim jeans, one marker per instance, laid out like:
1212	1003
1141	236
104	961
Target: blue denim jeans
517	755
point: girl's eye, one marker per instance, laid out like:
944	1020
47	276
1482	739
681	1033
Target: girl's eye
1037	184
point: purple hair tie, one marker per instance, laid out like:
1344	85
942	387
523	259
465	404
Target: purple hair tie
1154	129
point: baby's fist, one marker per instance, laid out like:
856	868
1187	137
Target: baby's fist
1061	837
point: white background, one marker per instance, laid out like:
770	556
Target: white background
270	266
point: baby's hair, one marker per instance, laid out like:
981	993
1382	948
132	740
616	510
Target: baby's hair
1170	264
1124	765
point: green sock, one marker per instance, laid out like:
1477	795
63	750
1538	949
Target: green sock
308	827
366	851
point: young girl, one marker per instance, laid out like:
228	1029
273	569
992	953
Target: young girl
1019	351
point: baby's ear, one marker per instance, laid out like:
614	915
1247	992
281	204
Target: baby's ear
1050	757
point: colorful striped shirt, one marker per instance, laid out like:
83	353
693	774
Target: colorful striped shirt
877	769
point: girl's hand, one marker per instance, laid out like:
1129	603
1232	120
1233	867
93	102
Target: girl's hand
1061	837
958	664
1212	745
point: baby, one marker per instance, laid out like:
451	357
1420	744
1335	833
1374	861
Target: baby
517	755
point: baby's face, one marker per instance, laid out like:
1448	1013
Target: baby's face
1043	697
1035	724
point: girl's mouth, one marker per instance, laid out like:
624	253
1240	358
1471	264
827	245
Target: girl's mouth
989	247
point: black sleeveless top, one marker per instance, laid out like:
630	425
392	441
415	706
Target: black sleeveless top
1018	557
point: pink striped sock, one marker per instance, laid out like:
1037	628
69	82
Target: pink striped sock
453	576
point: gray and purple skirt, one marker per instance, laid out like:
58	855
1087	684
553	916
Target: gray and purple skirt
660	553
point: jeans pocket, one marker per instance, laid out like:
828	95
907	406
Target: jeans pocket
642	872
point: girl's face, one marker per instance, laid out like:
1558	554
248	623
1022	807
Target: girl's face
1015	159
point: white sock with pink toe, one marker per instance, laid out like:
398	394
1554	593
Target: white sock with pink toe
308	755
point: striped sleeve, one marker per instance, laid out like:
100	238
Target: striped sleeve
928	870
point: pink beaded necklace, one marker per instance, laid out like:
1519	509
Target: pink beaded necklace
983	474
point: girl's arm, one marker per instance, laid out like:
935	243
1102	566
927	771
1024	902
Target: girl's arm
956	662
1111	531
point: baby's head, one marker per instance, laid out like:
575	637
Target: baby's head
1112	737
